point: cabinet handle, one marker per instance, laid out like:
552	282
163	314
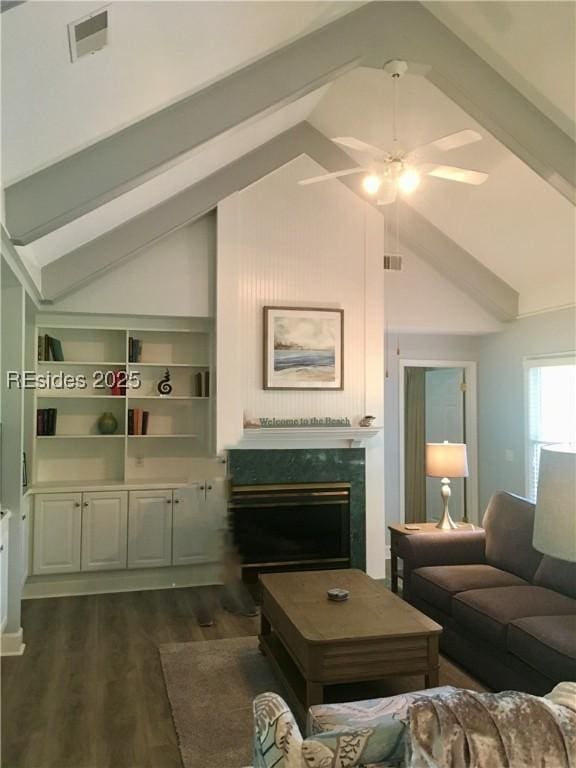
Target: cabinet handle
208	487
1	547
176	501
76	503
168	501
201	487
23	517
86	504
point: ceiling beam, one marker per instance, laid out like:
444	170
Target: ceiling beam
56	195
79	267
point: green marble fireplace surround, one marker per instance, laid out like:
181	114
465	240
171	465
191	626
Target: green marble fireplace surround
310	465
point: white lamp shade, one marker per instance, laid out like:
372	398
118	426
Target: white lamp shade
446	460
555	520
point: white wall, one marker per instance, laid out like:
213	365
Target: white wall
171	277
421	300
501	394
282	244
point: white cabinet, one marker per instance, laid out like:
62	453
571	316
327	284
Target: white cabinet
104	530
149	529
4	533
57	526
26	513
198	519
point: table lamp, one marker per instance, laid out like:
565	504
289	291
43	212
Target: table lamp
555	517
446	460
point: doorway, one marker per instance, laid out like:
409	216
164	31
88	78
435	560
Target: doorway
437	403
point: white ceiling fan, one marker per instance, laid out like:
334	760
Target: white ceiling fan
397	170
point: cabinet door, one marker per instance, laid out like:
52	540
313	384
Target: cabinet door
199	514
216	511
104	530
189	532
149	529
57	523
26	517
4	533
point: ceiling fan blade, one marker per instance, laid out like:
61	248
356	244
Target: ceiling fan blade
451	173
452	141
328	176
359	146
387	195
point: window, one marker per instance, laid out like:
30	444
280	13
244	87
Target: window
551	409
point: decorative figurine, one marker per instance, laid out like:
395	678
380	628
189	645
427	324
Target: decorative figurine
366	421
164	387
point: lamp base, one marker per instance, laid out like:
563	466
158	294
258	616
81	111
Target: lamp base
446	523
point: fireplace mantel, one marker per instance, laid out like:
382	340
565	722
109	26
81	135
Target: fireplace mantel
307	437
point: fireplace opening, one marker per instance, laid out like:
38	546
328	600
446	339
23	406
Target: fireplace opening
296	526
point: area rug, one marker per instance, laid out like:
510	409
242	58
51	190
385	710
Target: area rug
211	686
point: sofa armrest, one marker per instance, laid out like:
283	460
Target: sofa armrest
442	548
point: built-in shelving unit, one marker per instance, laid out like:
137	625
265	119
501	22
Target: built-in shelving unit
179	427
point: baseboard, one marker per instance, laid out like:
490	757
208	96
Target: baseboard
68	585
12	643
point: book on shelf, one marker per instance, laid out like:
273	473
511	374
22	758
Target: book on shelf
46	422
49	348
138	421
202	384
117	389
134	350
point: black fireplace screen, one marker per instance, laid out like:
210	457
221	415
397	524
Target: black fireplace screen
291	524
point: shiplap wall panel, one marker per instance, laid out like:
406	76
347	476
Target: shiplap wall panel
298	246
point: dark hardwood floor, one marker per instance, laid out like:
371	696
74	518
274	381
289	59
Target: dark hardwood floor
89	691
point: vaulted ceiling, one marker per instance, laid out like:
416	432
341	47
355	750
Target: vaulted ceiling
73	187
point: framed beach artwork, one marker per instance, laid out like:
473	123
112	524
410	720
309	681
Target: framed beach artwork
303	348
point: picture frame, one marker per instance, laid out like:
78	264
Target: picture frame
303	348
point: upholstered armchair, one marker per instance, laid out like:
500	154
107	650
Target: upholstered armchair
367	734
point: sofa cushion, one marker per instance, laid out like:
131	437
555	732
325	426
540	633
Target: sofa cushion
547	643
437	584
558	575
487	612
509	525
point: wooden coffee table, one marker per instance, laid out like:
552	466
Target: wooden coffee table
312	641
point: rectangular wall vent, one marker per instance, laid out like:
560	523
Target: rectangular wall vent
88	34
393	261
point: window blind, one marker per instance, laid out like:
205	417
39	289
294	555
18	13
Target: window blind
550	409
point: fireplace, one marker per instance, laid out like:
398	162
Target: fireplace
291	526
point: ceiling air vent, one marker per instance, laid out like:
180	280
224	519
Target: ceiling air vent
88	34
393	261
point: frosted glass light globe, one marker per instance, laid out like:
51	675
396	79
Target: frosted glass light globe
371	184
408	180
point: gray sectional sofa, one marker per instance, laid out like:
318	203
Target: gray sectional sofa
508	612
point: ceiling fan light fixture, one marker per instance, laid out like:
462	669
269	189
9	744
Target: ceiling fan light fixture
409	180
371	183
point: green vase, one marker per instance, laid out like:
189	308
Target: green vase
107	423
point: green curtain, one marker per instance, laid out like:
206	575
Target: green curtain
415	445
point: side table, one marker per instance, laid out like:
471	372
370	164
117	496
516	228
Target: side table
397	530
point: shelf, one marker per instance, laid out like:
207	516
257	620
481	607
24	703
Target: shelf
75	437
355	437
166	397
81	397
80	362
169	365
163	437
